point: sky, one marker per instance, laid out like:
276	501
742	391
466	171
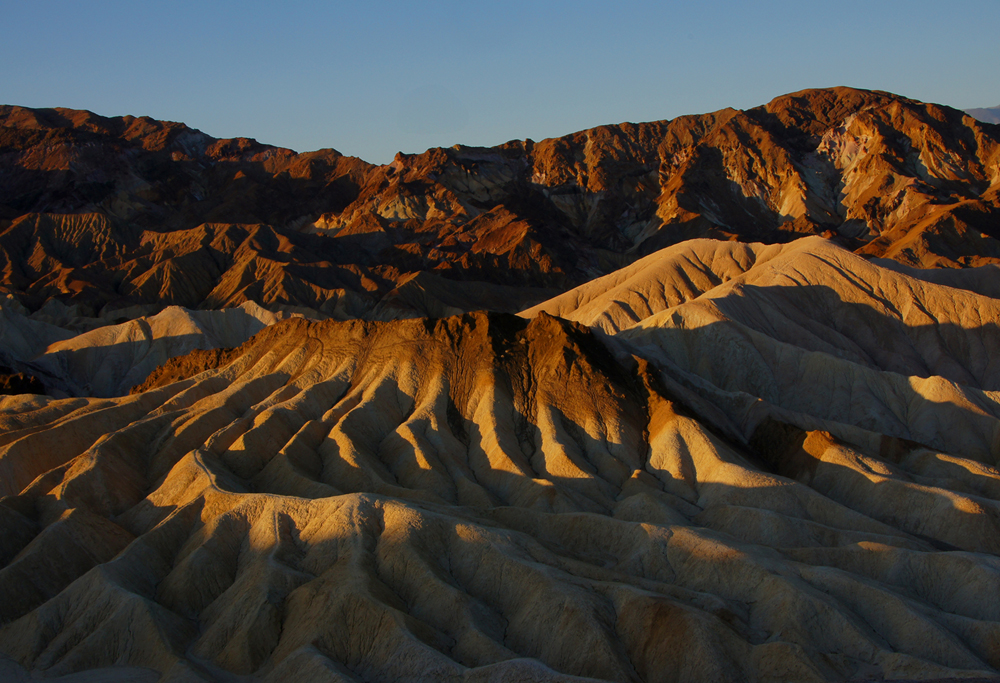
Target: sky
373	78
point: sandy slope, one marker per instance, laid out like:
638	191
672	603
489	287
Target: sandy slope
484	497
811	329
108	360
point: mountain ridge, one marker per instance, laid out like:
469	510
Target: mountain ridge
710	399
106	213
985	114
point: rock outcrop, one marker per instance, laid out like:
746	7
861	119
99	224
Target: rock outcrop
107	213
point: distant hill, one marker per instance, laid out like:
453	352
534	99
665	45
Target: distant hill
987	115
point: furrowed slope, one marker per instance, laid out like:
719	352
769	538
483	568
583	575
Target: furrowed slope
825	337
478	498
722	461
107	359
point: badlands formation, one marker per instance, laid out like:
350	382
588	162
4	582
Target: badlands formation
575	410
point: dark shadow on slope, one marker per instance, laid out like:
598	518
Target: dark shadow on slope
576	558
816	318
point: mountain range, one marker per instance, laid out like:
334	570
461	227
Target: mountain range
707	399
110	213
987	115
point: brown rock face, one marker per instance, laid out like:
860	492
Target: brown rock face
158	174
127	211
717	461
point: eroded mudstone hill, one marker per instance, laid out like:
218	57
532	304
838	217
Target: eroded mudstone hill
781	469
101	357
107	213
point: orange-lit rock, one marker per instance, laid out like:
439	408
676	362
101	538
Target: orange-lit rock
720	460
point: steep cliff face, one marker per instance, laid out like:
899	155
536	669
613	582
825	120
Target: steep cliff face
117	212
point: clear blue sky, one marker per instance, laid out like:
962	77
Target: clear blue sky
371	78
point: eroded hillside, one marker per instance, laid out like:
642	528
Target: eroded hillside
703	449
765	463
106	213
